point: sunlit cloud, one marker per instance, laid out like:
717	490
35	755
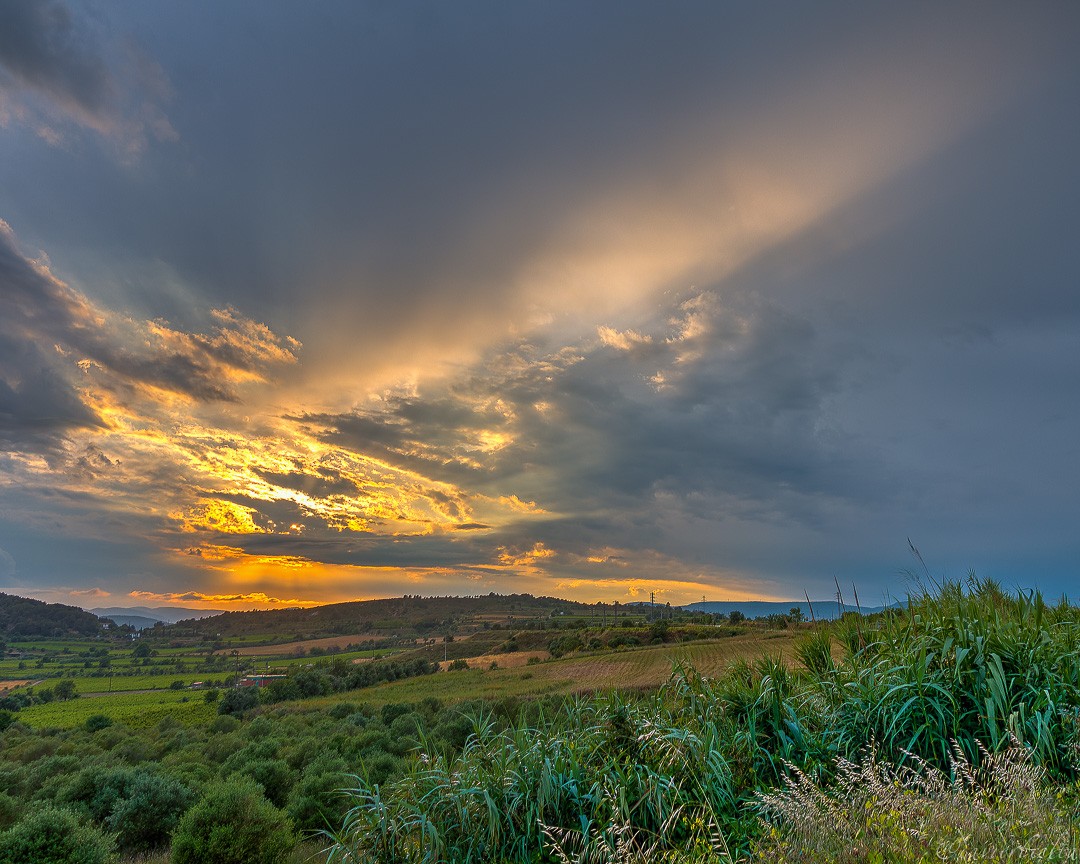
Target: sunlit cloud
90	593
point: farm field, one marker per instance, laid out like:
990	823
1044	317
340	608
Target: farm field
135	710
132	692
282	649
629	669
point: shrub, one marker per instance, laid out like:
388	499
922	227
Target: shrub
316	802
97	789
54	836
233	824
146	818
97	722
237	700
273	775
9	811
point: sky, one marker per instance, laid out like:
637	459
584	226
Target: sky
304	303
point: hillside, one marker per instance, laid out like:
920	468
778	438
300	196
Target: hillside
821	610
401	616
21	617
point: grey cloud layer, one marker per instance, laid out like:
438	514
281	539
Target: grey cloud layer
720	412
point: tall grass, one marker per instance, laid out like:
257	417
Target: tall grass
1000	811
957	676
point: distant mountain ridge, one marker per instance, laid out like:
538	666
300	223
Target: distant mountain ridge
164	614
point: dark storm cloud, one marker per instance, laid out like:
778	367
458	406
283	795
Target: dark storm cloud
438	438
42	47
58	65
39	405
375	170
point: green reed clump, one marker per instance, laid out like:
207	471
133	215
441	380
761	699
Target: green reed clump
969	663
560	786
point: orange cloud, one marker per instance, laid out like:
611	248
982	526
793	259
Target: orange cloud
223	517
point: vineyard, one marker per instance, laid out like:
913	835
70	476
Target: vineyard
135	710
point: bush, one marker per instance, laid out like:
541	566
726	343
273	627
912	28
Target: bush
97	722
54	836
9	811
273	775
237	700
233	824
316	802
146	818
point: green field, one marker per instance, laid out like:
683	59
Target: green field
136	710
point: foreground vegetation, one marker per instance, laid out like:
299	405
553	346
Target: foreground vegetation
948	730
687	774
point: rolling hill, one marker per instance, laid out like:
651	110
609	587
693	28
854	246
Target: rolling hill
21	617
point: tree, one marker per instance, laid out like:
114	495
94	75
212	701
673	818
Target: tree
233	824
795	614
